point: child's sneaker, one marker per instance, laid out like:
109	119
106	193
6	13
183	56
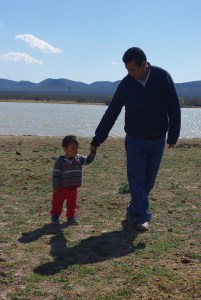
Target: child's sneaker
72	221
55	220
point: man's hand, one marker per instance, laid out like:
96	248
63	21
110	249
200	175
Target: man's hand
170	146
93	148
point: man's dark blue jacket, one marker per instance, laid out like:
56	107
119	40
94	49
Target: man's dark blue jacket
150	110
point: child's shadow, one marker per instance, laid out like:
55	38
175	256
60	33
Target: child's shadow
91	250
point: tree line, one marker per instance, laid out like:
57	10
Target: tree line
5	96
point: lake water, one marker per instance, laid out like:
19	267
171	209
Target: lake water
45	119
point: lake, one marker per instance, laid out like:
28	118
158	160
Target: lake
48	119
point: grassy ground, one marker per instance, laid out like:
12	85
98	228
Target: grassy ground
102	258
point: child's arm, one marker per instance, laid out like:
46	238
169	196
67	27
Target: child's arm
90	157
85	160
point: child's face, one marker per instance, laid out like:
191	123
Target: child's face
71	151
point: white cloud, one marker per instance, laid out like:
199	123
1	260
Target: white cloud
34	42
21	56
114	63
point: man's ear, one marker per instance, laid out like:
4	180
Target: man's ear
143	64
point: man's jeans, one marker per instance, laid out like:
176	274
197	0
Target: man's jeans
143	162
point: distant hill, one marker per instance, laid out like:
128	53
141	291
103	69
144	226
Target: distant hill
98	89
189	90
64	87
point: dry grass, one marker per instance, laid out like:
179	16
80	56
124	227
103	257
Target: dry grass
102	258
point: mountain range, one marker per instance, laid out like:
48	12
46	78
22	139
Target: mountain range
99	89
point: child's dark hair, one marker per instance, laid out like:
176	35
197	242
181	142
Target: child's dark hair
69	139
135	54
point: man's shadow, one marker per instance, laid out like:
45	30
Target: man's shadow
91	250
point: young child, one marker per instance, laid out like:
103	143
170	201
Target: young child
66	178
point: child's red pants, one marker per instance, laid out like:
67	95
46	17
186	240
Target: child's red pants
70	195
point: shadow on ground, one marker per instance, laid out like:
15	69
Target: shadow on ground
91	250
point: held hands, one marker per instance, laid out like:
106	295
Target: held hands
93	148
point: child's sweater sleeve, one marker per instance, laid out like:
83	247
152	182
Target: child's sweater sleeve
56	174
85	160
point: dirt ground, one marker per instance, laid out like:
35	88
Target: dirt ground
102	258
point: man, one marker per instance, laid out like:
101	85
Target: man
152	112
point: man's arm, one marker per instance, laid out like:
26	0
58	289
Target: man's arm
174	114
108	118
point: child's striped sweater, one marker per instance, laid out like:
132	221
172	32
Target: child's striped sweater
68	173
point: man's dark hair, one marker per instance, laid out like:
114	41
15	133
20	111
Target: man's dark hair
135	54
69	139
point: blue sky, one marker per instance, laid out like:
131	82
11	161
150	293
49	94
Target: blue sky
84	40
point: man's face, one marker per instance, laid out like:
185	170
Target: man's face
138	72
